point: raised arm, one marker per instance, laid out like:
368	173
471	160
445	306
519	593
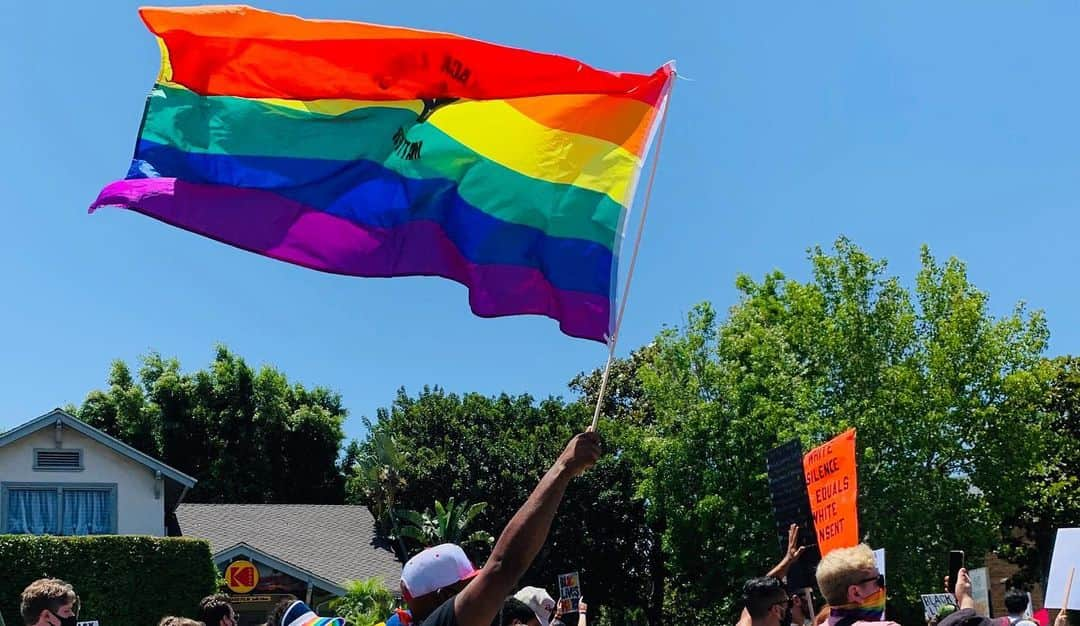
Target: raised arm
794	551
780	570
523	536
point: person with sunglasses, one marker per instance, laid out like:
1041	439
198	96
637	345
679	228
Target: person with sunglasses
766	602
795	613
854	588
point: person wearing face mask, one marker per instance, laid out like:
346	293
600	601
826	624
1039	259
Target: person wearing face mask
853	587
49	602
779	572
766	602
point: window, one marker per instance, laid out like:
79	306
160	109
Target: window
33	511
63	509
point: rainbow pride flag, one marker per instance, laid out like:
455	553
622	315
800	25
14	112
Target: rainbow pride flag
378	151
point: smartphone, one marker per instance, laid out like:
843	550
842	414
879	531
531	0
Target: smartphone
956	562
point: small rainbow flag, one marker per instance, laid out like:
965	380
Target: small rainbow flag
378	151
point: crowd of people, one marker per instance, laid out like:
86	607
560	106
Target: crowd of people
854	591
442	587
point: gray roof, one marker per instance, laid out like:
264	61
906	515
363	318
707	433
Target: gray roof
336	543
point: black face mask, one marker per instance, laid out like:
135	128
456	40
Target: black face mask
65	621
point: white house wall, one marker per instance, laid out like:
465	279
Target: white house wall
139	512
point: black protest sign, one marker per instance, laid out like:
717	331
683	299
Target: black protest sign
791	505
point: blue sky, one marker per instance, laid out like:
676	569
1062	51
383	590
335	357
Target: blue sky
897	124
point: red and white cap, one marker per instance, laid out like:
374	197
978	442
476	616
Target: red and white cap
435	568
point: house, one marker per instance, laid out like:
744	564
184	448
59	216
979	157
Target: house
61	476
268	552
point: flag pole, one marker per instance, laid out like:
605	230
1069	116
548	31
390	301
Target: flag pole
633	255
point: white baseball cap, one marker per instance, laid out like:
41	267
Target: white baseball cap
434	569
539	601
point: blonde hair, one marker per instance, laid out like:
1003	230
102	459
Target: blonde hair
842	568
172	620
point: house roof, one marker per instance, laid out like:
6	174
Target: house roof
243	550
334	543
70	421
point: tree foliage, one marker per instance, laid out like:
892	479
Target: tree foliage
448	523
495	449
376	476
1052	491
248	436
365	603
162	576
944	396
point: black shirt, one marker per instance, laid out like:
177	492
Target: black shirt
443	616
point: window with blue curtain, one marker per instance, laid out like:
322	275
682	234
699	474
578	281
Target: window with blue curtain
87	512
60	510
33	512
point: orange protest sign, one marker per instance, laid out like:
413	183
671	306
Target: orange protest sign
832	484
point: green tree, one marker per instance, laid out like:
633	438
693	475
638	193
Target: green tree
247	435
374	478
170	391
1052	491
944	397
365	603
123	411
630	426
448	523
495	449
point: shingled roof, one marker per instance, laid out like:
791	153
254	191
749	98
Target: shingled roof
334	542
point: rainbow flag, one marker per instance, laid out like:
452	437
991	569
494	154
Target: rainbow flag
378	151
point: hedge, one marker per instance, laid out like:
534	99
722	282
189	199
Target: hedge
121	580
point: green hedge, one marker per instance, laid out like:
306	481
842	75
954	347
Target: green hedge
121	580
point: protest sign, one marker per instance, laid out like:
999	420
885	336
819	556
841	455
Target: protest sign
879	560
980	589
832	487
1066	557
569	589
787	486
933	601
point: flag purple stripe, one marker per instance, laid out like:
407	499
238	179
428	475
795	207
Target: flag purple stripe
274	226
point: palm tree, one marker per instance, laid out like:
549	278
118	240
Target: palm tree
365	603
376	481
447	524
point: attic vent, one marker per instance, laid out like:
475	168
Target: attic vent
58	459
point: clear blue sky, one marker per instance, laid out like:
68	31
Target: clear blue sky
897	123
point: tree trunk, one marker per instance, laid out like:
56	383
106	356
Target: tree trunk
658	574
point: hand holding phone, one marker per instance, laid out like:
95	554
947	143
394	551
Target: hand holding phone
956	563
